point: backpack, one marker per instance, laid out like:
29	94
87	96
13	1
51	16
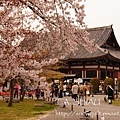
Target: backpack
81	91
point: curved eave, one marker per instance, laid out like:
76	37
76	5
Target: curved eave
111	57
107	55
86	59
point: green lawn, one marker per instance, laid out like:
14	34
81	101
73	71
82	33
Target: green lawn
116	102
24	110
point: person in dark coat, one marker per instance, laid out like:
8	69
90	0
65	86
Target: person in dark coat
60	90
37	92
110	92
56	90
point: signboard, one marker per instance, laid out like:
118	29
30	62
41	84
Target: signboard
79	80
56	81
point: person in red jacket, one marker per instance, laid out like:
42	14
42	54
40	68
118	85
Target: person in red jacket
16	89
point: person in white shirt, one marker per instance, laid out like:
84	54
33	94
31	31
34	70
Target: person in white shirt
75	91
64	89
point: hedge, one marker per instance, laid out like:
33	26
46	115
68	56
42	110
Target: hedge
95	82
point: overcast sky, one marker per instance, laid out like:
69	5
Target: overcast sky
103	13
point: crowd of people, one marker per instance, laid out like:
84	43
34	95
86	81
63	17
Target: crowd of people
30	90
77	91
81	92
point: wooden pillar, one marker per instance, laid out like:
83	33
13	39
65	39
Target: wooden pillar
70	68
83	73
99	72
106	68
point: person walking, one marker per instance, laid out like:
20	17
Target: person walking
75	91
81	94
110	93
87	91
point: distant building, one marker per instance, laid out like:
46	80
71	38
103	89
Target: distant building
104	62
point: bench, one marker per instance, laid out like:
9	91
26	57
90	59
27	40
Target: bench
5	95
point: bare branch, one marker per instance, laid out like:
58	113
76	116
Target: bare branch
34	8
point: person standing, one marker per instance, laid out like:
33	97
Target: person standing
56	89
64	89
91	90
60	90
29	90
16	89
52	90
75	91
37	92
100	89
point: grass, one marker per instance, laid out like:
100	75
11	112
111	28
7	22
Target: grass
116	102
24	110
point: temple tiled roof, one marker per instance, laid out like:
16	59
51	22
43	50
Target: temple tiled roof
101	35
84	54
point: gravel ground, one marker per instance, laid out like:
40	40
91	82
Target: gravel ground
96	105
99	110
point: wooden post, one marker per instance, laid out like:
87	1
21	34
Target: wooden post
84	113
72	107
51	99
97	116
64	105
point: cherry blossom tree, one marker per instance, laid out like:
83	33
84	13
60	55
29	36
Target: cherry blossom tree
38	33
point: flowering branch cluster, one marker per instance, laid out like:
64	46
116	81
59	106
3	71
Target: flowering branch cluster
38	33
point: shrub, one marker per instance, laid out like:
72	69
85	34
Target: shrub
95	82
109	81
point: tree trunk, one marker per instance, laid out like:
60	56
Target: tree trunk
22	92
12	82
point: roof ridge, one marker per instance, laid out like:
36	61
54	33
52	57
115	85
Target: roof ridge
102	49
97	28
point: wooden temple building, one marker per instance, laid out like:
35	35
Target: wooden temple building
104	62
